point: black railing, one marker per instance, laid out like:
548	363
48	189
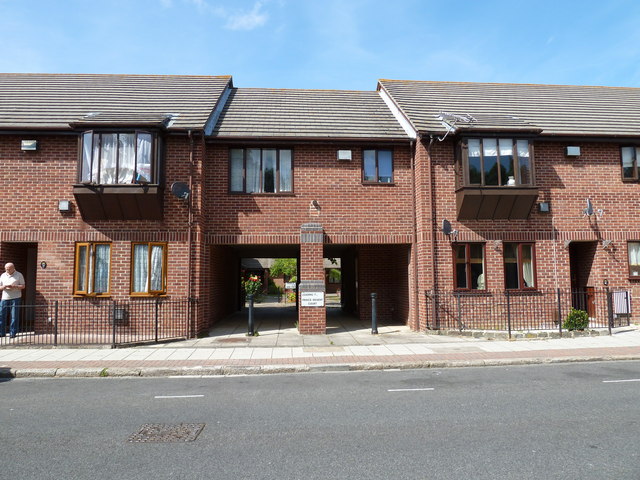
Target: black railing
525	311
103	321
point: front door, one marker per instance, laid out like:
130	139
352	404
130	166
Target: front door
581	256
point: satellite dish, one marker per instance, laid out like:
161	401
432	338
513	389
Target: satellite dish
589	210
180	190
446	227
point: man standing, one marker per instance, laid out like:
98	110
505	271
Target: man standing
11	285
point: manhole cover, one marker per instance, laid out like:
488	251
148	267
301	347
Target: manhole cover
161	432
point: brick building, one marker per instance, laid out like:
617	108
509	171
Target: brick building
139	187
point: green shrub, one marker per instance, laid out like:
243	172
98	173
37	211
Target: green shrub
576	320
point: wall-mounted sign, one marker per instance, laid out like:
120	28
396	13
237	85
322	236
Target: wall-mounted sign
290	285
312	299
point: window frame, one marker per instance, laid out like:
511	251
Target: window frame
377	167
464	143
468	274
165	254
636	153
520	266
629	264
154	155
244	191
90	270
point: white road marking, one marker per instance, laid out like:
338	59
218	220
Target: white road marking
622	381
410	390
178	396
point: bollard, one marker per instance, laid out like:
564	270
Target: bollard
374	314
250	298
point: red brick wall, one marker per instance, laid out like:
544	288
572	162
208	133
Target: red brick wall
564	182
35	181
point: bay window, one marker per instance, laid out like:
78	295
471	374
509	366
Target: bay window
118	158
519	266
261	170
498	162
149	269
92	268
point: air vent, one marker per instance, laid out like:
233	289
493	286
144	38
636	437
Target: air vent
344	155
572	151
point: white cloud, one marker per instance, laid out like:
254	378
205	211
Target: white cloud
235	19
247	20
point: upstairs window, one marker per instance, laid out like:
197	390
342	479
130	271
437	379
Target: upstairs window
377	166
261	170
498	162
519	266
93	261
118	158
630	163
469	266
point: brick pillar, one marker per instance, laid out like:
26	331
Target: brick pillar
312	320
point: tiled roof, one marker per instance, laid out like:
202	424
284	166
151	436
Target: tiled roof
551	109
53	101
322	114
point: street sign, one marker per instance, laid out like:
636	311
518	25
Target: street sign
312	299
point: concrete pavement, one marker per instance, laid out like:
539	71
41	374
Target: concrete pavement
394	348
348	345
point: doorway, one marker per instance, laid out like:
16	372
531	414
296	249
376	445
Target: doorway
581	257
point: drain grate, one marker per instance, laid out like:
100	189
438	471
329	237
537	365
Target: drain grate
164	433
232	340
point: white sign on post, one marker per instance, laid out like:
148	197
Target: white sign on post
312	299
290	285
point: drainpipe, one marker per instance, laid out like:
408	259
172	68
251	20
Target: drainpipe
434	226
414	252
191	331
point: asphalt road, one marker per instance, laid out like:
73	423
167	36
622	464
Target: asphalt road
571	421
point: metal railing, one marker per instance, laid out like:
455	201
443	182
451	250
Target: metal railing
525	311
103	321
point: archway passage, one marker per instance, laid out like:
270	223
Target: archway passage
351	274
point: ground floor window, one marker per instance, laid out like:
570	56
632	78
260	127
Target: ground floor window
469	266
149	269
634	259
92	268
519	266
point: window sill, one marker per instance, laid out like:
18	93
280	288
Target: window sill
91	295
262	194
392	184
147	295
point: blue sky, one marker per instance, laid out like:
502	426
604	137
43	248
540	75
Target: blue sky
328	44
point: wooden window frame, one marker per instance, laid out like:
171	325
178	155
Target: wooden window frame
277	172
90	270
520	268
464	149
98	134
467	247
631	275
165	254
377	180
